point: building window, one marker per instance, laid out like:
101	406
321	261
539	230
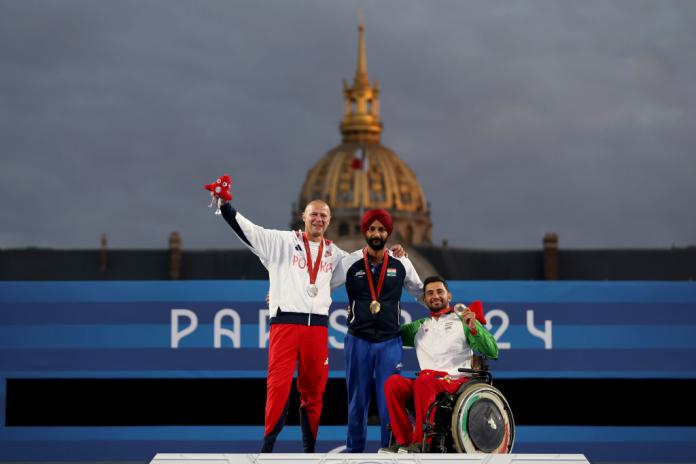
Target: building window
343	229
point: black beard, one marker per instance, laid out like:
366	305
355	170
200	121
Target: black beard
433	309
376	243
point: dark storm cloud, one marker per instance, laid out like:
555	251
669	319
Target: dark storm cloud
519	118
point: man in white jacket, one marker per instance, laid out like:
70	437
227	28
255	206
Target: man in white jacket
444	342
300	265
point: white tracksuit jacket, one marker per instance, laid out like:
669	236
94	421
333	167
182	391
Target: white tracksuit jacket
283	254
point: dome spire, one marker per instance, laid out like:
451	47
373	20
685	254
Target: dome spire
361	73
361	121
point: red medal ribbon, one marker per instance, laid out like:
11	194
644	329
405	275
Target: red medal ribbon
373	293
313	270
441	312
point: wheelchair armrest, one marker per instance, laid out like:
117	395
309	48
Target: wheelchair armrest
478	373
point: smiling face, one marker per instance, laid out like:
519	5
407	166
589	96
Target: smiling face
316	217
376	235
436	296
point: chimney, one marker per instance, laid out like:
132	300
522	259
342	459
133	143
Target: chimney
551	256
175	256
103	253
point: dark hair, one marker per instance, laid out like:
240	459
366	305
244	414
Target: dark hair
435	278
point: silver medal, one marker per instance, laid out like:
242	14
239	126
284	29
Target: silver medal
312	290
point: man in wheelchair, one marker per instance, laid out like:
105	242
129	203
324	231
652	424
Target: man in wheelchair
481	420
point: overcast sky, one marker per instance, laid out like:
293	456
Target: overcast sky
519	117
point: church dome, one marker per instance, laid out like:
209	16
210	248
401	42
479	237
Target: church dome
361	173
354	177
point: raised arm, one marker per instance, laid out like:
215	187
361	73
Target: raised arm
481	340
262	242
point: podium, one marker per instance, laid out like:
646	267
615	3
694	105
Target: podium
368	458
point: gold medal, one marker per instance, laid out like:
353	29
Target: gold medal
374	293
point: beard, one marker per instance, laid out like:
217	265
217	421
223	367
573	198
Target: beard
376	243
442	304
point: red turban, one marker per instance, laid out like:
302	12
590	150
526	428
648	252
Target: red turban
373	215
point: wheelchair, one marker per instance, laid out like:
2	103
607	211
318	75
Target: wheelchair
475	419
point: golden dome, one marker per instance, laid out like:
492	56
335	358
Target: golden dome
361	173
384	181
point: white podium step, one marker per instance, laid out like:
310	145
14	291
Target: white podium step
368	458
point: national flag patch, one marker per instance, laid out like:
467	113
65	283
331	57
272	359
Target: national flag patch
391	272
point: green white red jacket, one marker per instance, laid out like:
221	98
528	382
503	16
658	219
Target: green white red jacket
445	344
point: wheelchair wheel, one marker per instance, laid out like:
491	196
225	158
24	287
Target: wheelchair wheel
482	421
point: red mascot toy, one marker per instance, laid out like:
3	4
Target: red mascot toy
220	191
477	308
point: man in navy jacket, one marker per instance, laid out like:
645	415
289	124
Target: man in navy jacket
374	281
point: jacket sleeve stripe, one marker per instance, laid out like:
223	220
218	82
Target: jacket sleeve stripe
230	215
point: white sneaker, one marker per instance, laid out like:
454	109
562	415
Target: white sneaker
393	449
414	448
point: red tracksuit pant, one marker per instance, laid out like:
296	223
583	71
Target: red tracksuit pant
423	390
307	348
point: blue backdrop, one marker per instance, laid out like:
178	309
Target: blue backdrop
191	329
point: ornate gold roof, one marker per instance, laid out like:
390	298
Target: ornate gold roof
361	173
385	181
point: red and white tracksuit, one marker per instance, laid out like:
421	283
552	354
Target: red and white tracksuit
299	322
426	386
